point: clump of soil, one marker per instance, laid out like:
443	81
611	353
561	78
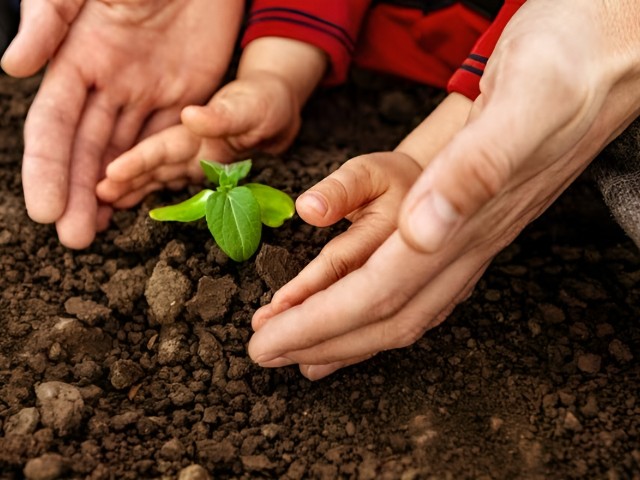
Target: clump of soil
128	360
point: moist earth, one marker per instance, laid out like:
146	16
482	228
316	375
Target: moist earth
128	360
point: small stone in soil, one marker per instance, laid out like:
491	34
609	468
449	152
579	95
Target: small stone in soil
172	344
23	423
276	266
193	472
49	466
125	373
60	405
166	292
88	311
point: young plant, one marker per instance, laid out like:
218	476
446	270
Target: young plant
234	213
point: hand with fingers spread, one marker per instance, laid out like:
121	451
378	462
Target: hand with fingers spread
117	71
562	82
260	110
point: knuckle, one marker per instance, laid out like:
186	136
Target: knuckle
66	10
366	170
356	182
336	264
549	52
489	170
388	303
404	332
335	188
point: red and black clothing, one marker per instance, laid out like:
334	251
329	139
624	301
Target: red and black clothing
443	43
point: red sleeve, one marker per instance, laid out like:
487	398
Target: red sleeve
466	80
331	25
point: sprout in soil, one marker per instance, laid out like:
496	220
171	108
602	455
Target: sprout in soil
234	213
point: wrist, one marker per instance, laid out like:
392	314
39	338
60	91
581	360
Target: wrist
620	35
299	65
435	131
620	42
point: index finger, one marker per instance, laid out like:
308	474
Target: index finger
354	301
49	132
43	26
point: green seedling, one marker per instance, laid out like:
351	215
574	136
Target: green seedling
235	213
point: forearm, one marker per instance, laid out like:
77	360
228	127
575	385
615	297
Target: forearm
299	65
435	131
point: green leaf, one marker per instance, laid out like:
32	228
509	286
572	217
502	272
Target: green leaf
235	172
212	170
226	175
233	218
188	211
275	205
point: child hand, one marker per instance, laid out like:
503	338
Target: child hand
366	190
257	112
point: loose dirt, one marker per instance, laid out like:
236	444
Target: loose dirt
128	360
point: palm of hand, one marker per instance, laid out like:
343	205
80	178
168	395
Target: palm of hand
123	71
146	54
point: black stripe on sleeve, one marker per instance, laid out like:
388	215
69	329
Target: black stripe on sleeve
474	70
342	32
313	26
478	58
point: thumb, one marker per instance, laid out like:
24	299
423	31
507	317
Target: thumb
43	26
347	190
224	116
472	169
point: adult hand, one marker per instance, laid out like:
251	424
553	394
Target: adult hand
118	70
561	84
390	295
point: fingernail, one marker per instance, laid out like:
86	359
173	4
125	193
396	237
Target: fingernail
315	202
316	372
261	313
431	221
276	362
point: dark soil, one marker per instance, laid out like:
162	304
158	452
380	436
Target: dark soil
128	360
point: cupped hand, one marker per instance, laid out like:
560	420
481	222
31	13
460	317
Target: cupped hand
257	112
118	71
560	85
368	290
367	191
